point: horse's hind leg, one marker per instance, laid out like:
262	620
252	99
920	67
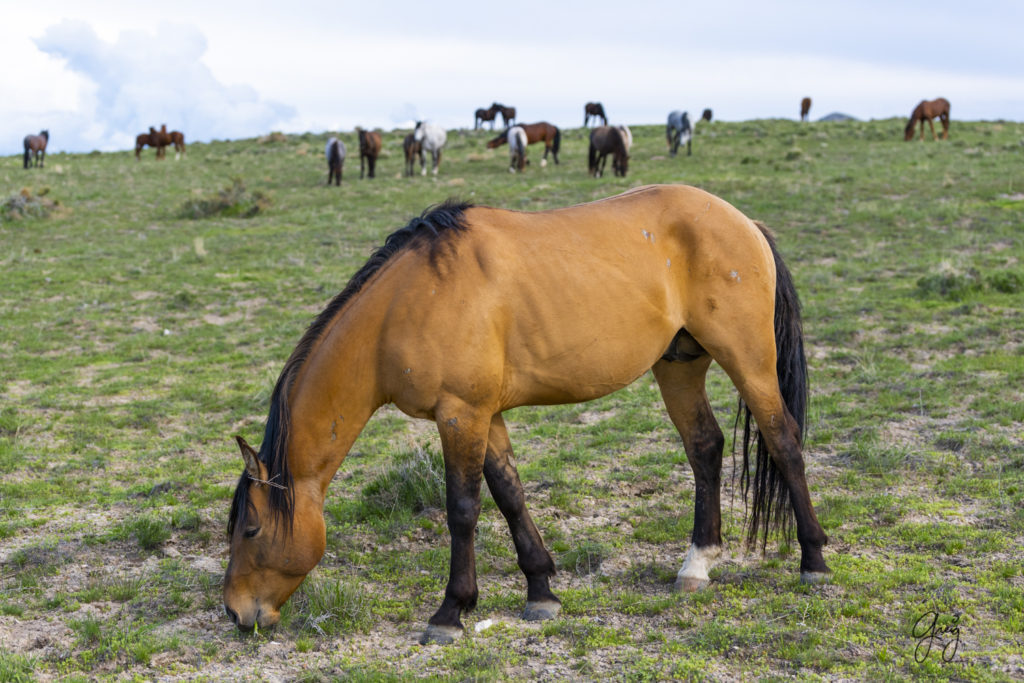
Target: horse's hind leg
932	126
682	388
507	491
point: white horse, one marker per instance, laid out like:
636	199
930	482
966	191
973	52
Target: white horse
431	138
627	136
517	142
335	153
679	131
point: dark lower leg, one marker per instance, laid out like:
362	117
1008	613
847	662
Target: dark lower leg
463	509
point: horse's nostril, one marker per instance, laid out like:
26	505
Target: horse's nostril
231	613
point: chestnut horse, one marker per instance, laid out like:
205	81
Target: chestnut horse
412	148
160	139
605	140
468	312
542	131
178	140
594	109
805	108
926	111
35	148
369	150
141	140
482	115
706	116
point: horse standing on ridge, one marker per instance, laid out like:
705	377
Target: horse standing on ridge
805	108
178	140
35	148
508	114
594	110
927	110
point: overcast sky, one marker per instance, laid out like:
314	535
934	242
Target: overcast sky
97	73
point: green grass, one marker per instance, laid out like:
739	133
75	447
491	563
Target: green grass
147	308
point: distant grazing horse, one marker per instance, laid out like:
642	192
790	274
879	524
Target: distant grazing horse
605	140
926	111
468	312
178	140
706	115
335	153
508	114
805	108
594	109
35	148
517	149
541	131
678	131
412	148
432	139
369	150
485	115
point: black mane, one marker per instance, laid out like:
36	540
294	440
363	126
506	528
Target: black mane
428	230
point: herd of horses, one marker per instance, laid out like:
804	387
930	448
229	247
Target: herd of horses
160	140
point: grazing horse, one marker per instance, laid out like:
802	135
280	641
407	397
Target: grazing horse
595	110
178	140
369	150
484	115
468	312
517	142
542	131
926	111
335	153
706	115
35	148
432	139
805	108
412	148
605	140
508	114
678	131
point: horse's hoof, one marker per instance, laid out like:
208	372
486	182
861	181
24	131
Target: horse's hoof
815	578
543	163
440	635
541	611
690	584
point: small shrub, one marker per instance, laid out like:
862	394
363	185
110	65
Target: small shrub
26	205
414	483
950	285
330	607
149	532
234	202
1006	281
585	558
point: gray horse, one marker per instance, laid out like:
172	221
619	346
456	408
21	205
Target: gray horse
432	139
679	131
335	153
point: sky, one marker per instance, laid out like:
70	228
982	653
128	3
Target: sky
95	74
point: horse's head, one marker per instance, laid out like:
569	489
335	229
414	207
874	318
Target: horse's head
271	551
498	141
908	132
45	134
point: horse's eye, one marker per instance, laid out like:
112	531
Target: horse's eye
249	533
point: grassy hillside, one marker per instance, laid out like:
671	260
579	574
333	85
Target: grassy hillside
146	309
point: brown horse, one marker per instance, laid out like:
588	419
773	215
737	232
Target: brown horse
508	114
470	311
161	140
805	108
178	140
605	140
595	110
369	150
35	148
926	111
482	115
542	131
706	115
412	148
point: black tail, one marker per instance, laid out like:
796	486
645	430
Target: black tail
592	159
557	143
770	508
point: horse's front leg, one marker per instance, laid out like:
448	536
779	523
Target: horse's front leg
437	162
464	442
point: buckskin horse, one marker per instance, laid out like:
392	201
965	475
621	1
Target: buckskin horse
605	140
369	150
470	311
35	148
594	110
927	110
542	131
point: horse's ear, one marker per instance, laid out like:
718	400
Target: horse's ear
252	462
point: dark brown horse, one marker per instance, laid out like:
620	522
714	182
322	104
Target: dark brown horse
413	149
35	148
542	131
178	140
926	111
605	140
508	114
468	312
369	150
595	110
805	108
161	140
706	115
483	115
